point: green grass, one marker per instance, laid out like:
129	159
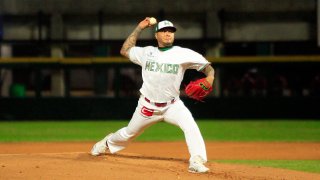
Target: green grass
36	131
250	130
212	130
312	166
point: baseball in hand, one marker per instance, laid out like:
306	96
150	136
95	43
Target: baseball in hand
152	21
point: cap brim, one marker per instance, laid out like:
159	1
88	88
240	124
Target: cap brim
170	27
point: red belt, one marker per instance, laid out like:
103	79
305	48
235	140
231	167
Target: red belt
160	104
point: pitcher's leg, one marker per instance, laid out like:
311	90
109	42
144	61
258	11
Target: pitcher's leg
180	116
121	138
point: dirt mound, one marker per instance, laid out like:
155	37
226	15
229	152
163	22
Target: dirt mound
148	160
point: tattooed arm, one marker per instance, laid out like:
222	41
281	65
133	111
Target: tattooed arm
132	39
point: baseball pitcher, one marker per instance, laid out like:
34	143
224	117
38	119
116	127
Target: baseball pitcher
163	68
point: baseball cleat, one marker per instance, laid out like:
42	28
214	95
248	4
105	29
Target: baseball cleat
100	147
196	165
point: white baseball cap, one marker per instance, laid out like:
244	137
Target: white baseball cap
165	24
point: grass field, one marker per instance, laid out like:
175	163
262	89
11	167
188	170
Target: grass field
215	130
212	130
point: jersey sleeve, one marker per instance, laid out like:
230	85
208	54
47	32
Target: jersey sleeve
136	55
196	60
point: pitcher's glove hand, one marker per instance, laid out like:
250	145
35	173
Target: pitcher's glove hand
198	89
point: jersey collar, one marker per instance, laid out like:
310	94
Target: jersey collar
165	48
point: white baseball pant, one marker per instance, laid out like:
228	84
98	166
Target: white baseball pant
147	114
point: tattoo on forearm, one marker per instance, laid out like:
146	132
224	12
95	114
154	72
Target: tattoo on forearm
131	41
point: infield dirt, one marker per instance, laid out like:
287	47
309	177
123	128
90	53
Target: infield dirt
150	160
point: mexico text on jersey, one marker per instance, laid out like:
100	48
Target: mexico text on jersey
162	67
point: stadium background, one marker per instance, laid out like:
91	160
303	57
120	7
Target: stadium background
61	61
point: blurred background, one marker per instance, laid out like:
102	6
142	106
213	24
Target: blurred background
60	58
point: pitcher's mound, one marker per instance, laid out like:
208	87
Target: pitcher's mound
149	160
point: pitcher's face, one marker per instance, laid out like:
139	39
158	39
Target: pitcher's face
165	37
